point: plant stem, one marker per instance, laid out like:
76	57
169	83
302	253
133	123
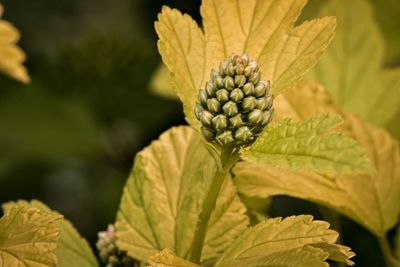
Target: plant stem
387	253
228	159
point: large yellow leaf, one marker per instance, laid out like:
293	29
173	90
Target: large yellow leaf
167	258
309	145
72	249
352	67
28	237
163	198
11	56
371	200
263	29
293	241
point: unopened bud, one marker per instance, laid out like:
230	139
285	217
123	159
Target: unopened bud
225	138
219	82
219	122
206	117
230	70
236	95
210	89
243	133
267	117
248	103
240	80
203	97
229	83
198	109
213	105
222	95
236	120
207	133
230	108
255	116
248	89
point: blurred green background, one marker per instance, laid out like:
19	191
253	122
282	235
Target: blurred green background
69	137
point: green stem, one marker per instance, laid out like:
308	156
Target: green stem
228	159
387	253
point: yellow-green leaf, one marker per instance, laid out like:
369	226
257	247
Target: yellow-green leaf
371	200
352	66
167	258
293	241
28	237
72	249
161	84
163	197
11	56
263	29
308	145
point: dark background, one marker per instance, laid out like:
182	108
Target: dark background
69	137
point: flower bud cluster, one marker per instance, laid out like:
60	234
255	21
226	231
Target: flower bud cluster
235	105
109	252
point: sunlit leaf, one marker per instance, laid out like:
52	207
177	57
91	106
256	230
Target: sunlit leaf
352	66
161	83
371	200
72	249
11	56
293	241
263	29
163	198
167	258
28	237
308	145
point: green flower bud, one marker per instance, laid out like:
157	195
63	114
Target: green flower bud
230	108
236	95
219	122
255	116
255	77
219	82
236	121
260	89
210	89
261	103
225	138
213	105
248	103
229	83
222	68
267	117
248	89
240	80
198	109
207	133
245	59
222	95
243	133
235	105
270	101
239	69
206	117
230	70
203	97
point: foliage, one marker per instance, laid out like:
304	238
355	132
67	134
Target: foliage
11	56
180	205
284	52
28	237
351	72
